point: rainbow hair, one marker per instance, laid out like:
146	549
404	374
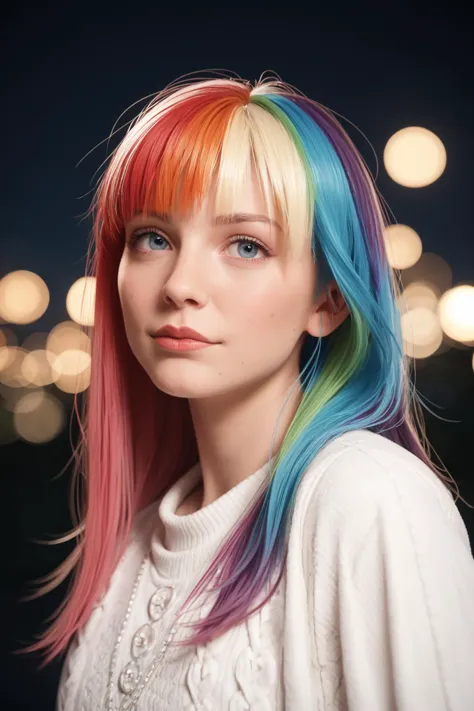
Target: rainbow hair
137	440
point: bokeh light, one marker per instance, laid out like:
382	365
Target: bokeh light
80	301
416	294
24	297
430	269
67	335
71	362
74	383
11	361
36	368
69	349
10	396
38	417
414	157
456	313
420	352
422	332
403	246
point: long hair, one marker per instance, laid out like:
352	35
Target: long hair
136	440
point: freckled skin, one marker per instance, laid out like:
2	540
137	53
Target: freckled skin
258	310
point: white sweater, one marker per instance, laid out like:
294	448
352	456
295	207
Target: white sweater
375	611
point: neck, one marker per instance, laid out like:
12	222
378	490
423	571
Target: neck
234	438
192	503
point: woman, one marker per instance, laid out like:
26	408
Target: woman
261	527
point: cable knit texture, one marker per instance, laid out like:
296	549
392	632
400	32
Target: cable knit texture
374	611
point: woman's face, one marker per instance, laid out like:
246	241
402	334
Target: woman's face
255	306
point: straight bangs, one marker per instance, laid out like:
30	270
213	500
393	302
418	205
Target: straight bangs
180	151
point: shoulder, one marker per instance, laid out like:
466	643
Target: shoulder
359	461
387	569
361	478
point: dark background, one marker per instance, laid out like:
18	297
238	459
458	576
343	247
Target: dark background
70	70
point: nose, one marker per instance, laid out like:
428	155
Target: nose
185	283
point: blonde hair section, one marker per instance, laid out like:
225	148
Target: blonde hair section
256	141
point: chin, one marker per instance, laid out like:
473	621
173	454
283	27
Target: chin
175	393
177	387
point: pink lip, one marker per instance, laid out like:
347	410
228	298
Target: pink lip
181	344
183	332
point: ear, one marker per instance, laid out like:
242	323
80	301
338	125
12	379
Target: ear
328	311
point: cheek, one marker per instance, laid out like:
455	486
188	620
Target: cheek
268	318
132	292
279	306
134	313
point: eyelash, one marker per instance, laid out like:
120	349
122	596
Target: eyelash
237	238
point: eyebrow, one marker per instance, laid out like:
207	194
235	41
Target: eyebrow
222	219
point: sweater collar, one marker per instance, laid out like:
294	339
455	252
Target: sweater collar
182	544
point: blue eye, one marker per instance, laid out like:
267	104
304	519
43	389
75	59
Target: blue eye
146	233
254	243
247	243
137	236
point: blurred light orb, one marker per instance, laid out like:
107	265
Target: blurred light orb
420	352
71	362
421	327
74	383
11	396
38	417
456	313
7	356
403	246
418	293
414	157
80	301
430	269
11	361
24	297
67	335
36	368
